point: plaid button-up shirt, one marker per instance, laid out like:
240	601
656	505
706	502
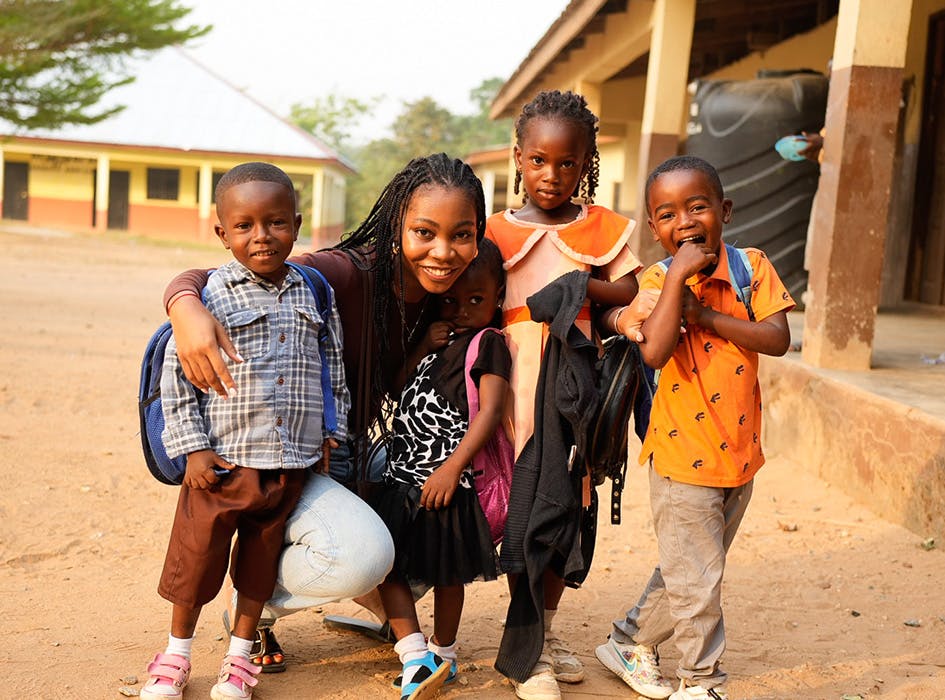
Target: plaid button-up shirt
274	421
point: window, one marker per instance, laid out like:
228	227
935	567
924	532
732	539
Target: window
163	183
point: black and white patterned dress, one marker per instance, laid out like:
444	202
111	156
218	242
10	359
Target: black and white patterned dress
452	545
426	430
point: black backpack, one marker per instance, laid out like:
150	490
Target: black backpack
620	376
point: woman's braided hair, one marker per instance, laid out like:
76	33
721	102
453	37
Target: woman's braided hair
377	240
570	106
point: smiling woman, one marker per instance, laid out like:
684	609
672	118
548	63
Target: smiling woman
420	235
439	240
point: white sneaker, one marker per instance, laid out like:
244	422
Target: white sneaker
541	684
697	692
637	666
565	665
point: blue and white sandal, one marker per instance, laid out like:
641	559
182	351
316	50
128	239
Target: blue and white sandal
399	681
428	679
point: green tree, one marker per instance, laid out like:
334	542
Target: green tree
331	118
423	127
59	57
477	131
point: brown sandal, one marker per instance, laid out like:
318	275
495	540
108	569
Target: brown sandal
266	651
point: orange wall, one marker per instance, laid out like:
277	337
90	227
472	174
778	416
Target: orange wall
171	222
45	211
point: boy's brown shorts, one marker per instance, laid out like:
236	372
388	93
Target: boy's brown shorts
254	504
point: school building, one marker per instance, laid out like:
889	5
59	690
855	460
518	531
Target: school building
151	169
862	402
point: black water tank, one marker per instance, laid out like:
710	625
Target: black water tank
734	125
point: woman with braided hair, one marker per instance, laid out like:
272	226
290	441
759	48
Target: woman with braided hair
421	234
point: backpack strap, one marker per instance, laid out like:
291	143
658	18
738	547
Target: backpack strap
321	290
472	352
740	274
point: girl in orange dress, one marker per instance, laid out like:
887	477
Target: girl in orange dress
556	160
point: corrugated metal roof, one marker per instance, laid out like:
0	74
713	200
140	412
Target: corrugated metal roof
176	103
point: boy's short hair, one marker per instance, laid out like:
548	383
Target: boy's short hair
253	172
677	163
489	258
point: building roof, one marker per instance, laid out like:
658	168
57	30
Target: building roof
723	33
176	103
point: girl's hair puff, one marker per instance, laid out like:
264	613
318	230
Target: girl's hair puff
570	106
376	241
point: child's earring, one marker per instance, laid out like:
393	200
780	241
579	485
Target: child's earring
394	248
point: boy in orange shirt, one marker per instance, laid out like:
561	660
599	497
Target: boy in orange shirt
703	441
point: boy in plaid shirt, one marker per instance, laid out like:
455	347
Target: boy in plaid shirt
248	455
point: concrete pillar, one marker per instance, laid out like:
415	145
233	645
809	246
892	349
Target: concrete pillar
632	183
488	189
318	201
852	203
204	200
102	169
664	106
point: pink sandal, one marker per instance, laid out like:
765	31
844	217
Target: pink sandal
170	671
237	678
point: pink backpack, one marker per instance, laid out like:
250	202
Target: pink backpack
492	465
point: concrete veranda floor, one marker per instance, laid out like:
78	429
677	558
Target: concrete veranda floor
907	342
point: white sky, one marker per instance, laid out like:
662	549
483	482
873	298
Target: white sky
287	51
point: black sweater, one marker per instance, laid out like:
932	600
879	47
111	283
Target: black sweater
544	527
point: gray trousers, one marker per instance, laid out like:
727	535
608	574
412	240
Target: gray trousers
683	599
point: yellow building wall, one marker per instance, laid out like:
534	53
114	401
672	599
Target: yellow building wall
610	181
334	208
622	118
62	189
809	50
61	178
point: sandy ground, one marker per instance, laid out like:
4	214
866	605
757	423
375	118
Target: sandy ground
845	605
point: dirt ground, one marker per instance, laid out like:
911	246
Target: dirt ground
823	599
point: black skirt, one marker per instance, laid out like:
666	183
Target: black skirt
445	547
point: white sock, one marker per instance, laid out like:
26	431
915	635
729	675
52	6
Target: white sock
445	653
411	648
181	647
240	647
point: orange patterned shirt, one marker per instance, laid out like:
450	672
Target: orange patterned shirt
705	425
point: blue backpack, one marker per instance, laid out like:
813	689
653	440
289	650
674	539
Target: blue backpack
171	471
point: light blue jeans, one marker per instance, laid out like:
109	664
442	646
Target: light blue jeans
336	548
